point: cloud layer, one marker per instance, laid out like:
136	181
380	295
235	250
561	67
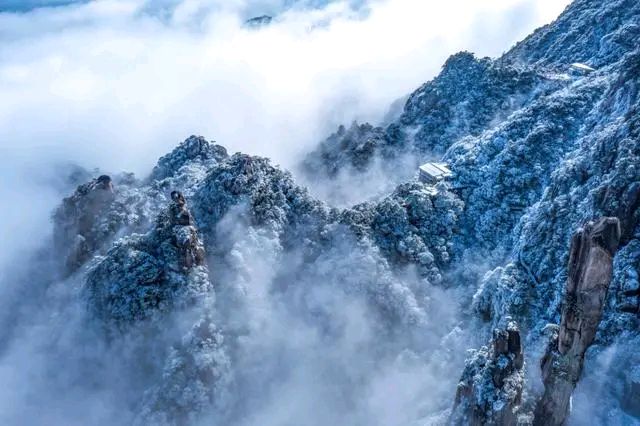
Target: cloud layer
90	80
114	84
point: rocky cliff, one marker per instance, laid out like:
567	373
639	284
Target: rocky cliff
537	150
589	276
490	390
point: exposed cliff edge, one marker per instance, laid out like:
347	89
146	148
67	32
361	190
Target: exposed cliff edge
490	390
536	149
142	275
590	271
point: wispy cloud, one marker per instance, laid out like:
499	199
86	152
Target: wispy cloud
117	83
91	79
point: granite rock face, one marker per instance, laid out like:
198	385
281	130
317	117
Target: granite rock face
108	207
80	225
490	389
137	287
143	275
189	161
590	270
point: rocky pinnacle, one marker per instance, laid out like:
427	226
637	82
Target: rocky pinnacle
589	275
490	389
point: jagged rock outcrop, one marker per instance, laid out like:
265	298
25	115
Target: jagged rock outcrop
144	275
589	275
99	212
144	278
412	226
490	389
529	285
82	222
591	31
467	96
187	164
106	208
194	379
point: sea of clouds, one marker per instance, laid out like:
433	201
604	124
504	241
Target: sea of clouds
114	84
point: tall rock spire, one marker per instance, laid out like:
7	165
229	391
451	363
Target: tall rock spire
589	275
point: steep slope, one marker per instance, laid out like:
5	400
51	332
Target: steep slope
473	95
467	97
183	288
563	155
594	32
142	275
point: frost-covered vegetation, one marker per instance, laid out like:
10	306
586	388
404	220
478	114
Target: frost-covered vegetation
536	153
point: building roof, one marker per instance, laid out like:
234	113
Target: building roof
436	170
582	67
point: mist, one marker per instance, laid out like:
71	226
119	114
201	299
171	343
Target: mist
111	85
115	84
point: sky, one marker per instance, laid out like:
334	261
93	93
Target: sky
26	5
114	84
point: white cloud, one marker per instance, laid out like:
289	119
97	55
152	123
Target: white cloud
108	84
